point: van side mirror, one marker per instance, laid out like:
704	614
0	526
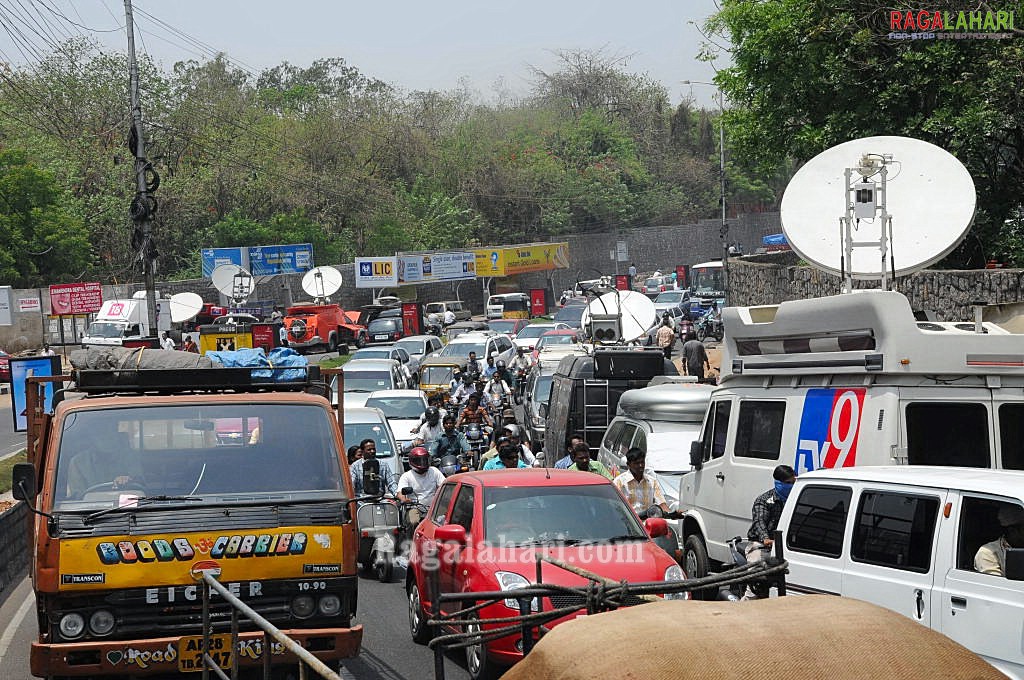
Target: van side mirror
1014	564
371	477
23	482
697	454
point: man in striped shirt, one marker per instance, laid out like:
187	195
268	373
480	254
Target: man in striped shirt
640	487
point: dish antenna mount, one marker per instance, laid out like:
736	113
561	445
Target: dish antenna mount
866	183
619	317
185	307
320	283
234	282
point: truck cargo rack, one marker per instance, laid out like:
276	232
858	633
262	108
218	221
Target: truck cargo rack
162	380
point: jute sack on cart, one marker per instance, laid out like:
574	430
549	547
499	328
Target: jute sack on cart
106	358
809	637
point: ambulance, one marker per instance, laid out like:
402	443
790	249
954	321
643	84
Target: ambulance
844	381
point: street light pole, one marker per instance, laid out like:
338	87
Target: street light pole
723	231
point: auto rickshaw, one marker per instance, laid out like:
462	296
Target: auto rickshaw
436	374
515	308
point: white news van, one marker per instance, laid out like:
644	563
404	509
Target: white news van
841	381
905	539
122	322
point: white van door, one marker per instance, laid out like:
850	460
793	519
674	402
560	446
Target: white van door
983	612
889	556
814	536
702	492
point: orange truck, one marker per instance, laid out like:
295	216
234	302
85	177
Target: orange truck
137	492
327	327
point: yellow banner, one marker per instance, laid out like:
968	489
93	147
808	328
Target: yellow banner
521	259
110	562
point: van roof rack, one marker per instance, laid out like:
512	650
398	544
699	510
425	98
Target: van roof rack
169	381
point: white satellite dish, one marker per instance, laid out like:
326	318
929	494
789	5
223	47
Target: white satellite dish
185	307
634	313
928	194
234	282
321	282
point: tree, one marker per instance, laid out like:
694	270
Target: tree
809	75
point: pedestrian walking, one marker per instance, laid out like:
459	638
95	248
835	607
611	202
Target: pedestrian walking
695	357
166	342
666	337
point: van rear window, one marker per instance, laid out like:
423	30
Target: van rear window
1011	436
895	530
819	520
948	433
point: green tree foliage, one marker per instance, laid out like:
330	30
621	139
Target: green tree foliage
809	75
41	241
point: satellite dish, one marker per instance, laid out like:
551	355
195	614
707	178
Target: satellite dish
633	313
234	282
185	307
928	193
321	282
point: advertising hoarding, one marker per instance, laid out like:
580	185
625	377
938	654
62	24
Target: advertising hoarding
521	259
22	368
295	258
215	257
29	304
435	267
376	272
75	298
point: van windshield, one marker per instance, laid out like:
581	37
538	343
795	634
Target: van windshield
106	329
109	457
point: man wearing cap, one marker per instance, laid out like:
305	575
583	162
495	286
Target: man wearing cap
991	557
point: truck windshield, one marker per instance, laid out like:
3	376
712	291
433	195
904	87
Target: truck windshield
105	329
110	457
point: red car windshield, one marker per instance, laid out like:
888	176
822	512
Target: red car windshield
578	514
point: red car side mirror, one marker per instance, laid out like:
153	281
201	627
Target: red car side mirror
455	533
656	526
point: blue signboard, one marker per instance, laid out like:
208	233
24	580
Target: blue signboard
22	368
215	257
295	258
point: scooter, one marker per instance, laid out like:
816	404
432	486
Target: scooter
378	523
477	439
738	547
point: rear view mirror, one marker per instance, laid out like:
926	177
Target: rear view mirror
656	527
543	411
371	477
1014	564
199	425
406	490
697	454
451	533
23	482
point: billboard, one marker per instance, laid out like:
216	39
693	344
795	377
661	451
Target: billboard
22	368
75	298
295	258
521	259
215	257
435	267
376	272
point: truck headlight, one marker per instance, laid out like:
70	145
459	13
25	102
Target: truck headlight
329	605
101	622
303	606
71	626
675	573
509	580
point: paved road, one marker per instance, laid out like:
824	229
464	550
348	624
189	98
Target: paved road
388	652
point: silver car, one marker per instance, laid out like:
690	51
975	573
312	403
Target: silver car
419	347
363	376
369	423
655	285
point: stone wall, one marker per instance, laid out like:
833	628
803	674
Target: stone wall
946	295
14	548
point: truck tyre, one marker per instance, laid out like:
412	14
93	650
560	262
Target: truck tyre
696	564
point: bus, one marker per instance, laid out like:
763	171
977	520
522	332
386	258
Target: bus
707	287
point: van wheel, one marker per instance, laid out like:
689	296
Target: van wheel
695	562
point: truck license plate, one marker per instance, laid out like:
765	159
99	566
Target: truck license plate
190	652
380	337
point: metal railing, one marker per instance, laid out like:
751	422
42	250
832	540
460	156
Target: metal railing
270	632
598	596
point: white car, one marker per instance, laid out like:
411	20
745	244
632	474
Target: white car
370	423
402	408
419	347
363	376
483	343
399	354
527	337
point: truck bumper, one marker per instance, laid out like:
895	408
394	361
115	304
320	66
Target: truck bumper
314	342
161	655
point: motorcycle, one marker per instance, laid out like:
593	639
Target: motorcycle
738	547
709	325
477	439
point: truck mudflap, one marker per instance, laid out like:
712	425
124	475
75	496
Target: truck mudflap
182	654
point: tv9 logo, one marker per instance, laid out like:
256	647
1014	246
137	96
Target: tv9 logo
829	428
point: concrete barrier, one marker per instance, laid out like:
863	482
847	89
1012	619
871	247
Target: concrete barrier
14	548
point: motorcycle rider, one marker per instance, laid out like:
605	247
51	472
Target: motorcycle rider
766	512
475	413
485	399
451	441
510	435
490	369
506	459
498	387
430	430
465	389
387	476
501	372
473	364
424	480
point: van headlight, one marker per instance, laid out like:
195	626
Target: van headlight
674	574
71	626
509	580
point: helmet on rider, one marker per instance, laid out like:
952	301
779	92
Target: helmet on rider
432	414
419	459
500	365
512	429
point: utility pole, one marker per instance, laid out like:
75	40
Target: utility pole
143	205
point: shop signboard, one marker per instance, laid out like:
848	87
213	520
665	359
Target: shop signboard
75	298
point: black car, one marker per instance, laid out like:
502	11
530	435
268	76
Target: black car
385	329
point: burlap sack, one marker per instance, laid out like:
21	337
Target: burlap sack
812	637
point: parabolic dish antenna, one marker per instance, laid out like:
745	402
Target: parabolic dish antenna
233	282
636	311
185	307
321	282
929	195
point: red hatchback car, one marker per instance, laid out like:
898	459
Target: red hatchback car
487	527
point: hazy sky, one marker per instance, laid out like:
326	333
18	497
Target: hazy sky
411	45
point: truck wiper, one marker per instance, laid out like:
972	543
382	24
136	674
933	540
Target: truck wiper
144	500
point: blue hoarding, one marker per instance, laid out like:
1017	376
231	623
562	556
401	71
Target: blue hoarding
215	257
295	258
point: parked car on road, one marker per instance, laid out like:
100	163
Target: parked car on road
655	285
388	352
385	329
483	343
676	302
489	525
402	408
509	327
571	315
363	376
527	337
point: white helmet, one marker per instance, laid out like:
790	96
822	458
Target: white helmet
512	429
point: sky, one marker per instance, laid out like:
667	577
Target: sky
410	45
